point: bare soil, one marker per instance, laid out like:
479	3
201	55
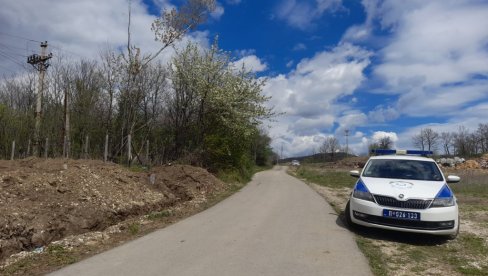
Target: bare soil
42	201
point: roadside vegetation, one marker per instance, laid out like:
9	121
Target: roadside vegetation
395	253
133	107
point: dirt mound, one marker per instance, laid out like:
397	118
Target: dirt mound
469	164
46	200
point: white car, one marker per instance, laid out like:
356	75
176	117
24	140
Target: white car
400	190
295	163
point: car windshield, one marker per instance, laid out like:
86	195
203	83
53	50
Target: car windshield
403	169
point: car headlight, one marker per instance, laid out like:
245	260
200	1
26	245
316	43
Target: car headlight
362	192
444	198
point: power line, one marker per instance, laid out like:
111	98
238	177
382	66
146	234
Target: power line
66	51
13	53
20	37
13	60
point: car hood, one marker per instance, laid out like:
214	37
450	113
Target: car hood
408	188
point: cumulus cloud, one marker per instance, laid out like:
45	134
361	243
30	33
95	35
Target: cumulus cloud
434	56
252	63
378	135
316	83
308	96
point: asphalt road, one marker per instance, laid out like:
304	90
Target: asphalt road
276	225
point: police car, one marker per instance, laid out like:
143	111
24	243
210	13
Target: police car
404	190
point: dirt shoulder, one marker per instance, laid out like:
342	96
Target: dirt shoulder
55	212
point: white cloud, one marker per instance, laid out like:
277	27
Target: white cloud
308	98
233	2
381	114
382	134
252	63
299	47
218	12
80	28
301	14
432	58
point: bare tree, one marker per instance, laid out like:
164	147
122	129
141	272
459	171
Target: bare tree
446	139
329	146
427	139
385	142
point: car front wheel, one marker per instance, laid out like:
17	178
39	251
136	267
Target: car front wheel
347	216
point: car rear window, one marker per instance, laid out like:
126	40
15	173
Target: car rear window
403	169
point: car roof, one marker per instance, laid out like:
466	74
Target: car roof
402	157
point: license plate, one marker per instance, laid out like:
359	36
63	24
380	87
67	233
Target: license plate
401	214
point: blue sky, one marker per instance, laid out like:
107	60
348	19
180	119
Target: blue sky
374	67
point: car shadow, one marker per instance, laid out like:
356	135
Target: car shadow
390	235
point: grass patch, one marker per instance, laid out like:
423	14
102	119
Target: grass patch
134	228
473	183
373	253
328	178
54	255
60	255
159	215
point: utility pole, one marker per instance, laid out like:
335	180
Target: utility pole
281	154
40	63
66	129
347	142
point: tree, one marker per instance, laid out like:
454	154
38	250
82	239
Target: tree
427	139
329	146
385	142
446	140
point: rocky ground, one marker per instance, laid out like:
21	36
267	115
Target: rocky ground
43	201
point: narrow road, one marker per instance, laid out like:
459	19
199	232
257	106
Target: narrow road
276	225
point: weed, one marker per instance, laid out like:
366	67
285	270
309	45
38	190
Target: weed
134	228
159	215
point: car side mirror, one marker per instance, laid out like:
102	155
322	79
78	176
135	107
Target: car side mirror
453	179
354	173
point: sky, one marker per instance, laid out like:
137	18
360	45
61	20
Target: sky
375	68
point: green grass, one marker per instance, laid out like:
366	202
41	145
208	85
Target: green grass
377	260
159	215
472	183
328	178
134	228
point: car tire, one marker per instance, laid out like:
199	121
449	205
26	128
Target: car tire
347	216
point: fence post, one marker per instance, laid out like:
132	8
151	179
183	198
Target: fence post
86	146
64	146
148	162
105	152
13	150
28	148
129	149
46	148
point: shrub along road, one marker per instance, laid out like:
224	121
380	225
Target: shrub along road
276	225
